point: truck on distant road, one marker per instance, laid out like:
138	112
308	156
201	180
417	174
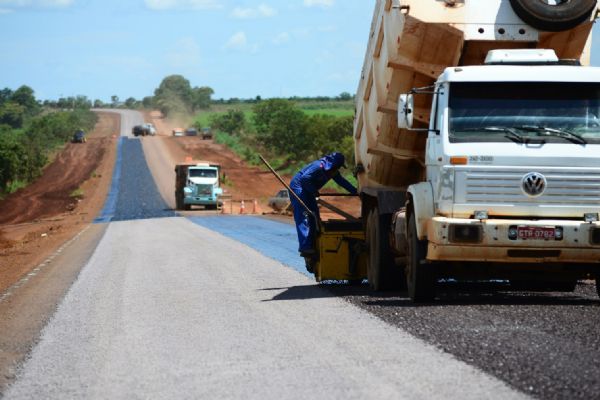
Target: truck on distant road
197	184
147	129
477	144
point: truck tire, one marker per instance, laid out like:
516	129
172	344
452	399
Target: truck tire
178	201
420	276
380	264
553	15
598	285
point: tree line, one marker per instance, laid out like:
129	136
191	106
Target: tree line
30	131
281	129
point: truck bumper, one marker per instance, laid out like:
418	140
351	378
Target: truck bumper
491	241
200	201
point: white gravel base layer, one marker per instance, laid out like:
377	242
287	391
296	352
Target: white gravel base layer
166	309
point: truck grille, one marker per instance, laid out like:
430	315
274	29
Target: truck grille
577	188
203	190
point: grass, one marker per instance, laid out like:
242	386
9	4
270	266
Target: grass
15	185
335	112
333	108
77	193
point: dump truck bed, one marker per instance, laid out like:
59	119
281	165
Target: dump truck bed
411	43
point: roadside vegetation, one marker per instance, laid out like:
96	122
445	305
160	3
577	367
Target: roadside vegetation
288	132
30	131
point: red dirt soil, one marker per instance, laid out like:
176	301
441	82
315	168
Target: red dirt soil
38	219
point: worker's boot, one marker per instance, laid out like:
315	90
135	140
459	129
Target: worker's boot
310	264
309	259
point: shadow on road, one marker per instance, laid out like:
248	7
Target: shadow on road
300	293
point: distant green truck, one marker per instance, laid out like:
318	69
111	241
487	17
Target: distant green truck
197	184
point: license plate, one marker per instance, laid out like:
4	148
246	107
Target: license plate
535	232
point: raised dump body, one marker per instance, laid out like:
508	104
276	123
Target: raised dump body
410	44
477	134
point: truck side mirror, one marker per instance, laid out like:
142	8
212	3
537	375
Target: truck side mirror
406	106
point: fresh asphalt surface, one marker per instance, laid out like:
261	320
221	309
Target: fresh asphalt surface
545	344
207	307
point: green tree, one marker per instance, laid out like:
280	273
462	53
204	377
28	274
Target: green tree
345	96
174	95
12	114
148	102
202	97
12	154
5	95
24	96
114	99
281	126
232	122
131	103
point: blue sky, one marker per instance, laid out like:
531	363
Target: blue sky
240	48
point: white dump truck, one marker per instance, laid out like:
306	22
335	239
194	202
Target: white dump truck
197	184
477	144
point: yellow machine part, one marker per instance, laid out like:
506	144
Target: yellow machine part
342	255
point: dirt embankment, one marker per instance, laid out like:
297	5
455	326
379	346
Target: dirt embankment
38	219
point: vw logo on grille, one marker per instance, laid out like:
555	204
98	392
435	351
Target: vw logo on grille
534	184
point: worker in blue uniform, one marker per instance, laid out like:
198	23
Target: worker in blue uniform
306	185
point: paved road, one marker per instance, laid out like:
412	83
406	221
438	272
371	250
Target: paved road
168	309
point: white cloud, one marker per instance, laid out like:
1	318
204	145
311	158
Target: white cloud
239	42
319	3
262	10
182	4
283	37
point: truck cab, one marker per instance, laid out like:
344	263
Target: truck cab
512	168
198	184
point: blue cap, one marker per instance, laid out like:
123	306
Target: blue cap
333	160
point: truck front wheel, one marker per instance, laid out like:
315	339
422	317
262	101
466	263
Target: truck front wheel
420	276
553	15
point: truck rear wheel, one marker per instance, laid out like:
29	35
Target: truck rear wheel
598	285
178	201
420	276
382	273
553	15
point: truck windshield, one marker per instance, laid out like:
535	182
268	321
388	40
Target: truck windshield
525	112
203	173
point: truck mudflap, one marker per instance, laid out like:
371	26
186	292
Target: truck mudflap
513	241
